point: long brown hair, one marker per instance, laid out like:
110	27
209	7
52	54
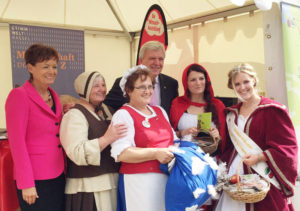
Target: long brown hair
210	107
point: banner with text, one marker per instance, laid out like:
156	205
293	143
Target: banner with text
154	28
68	43
291	47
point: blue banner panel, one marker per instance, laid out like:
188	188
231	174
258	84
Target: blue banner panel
68	43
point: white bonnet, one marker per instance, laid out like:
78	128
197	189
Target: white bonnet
84	83
129	73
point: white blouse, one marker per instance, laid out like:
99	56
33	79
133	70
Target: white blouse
225	202
187	121
122	116
73	137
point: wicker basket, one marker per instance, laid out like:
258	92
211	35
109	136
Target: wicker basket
247	197
209	148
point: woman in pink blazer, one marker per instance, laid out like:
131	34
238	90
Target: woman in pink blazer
33	116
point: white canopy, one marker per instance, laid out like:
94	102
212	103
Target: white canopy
112	16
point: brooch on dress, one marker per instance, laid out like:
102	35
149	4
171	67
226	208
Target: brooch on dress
146	123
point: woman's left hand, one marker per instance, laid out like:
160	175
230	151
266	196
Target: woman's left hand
251	159
29	195
214	132
115	132
163	155
67	107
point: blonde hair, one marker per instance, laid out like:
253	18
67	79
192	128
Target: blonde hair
241	68
151	46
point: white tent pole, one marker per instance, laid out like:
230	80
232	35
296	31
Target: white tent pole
119	20
65	11
5	8
132	47
195	43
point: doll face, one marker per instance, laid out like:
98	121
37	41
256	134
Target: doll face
196	82
98	91
244	86
154	60
43	73
142	92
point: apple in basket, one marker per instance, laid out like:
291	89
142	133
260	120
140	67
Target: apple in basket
234	179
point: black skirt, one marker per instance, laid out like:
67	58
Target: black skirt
51	195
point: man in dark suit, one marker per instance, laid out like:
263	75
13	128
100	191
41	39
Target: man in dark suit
152	55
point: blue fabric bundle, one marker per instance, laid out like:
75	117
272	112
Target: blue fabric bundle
192	177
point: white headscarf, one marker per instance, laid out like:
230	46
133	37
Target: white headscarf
84	83
129	73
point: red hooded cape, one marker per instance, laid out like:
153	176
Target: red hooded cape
180	105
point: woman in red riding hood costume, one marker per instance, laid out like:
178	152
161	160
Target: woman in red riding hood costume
198	98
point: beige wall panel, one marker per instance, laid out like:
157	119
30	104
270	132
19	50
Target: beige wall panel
5	72
222	45
274	56
179	54
109	55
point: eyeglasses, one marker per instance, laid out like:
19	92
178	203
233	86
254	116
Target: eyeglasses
144	88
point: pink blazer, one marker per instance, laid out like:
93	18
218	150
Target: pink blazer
33	135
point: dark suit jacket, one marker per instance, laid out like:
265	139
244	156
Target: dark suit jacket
168	91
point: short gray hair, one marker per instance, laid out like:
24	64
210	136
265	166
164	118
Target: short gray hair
151	46
97	79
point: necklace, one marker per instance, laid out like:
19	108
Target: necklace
145	122
49	98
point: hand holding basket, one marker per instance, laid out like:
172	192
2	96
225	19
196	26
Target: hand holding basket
245	196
